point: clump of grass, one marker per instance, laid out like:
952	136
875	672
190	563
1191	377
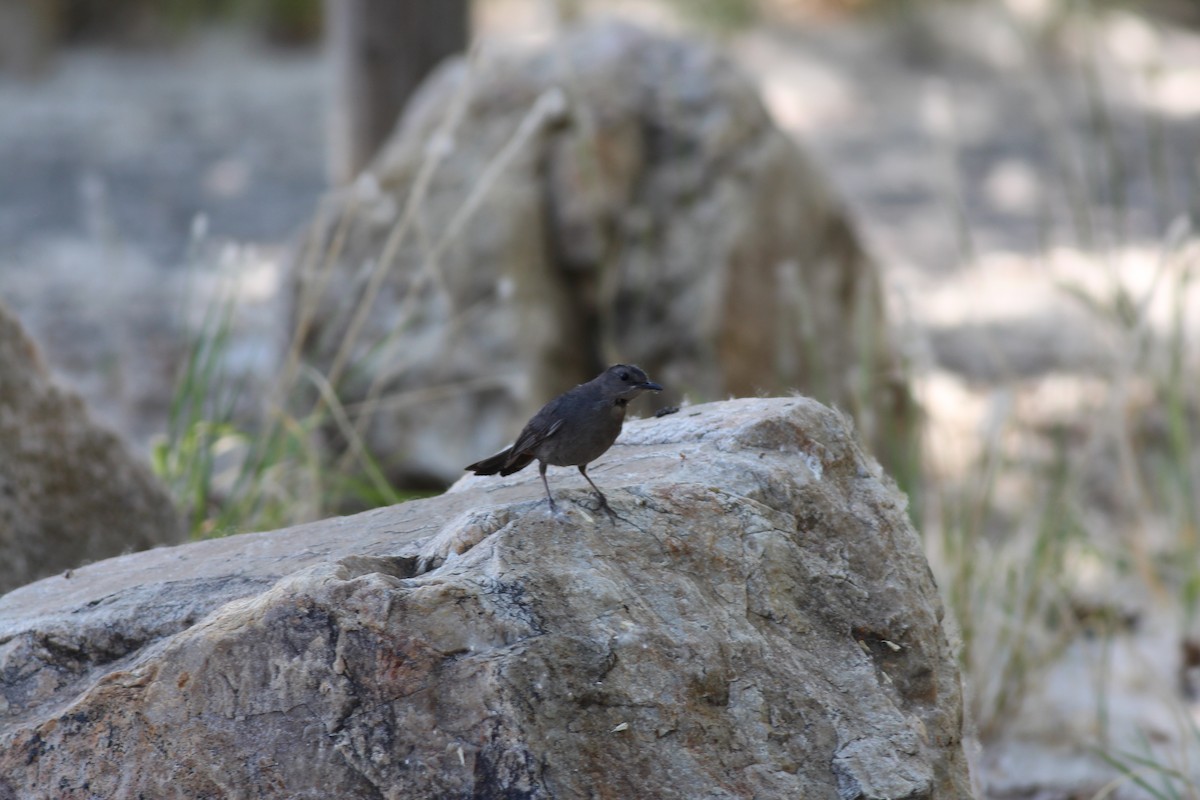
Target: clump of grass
1006	577
232	470
1152	771
199	426
228	472
1010	570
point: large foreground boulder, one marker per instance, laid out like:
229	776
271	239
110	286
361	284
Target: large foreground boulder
757	620
70	491
614	196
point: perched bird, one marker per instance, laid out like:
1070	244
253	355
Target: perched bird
573	429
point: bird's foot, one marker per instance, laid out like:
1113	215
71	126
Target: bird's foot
612	515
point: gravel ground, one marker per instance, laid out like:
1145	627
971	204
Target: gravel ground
130	179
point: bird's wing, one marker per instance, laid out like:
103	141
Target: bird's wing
536	432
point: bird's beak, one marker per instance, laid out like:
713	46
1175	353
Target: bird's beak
650	386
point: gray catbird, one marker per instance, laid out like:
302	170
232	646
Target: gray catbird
574	428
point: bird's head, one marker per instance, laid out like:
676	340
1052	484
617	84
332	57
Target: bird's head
624	382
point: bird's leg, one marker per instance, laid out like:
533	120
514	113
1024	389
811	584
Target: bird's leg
550	497
600	494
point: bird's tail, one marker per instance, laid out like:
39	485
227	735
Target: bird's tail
501	463
516	464
490	465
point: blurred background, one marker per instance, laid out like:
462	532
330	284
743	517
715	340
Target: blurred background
1023	177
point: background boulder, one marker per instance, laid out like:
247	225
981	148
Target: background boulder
617	196
758	621
70	491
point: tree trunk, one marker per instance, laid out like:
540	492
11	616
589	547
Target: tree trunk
380	51
29	35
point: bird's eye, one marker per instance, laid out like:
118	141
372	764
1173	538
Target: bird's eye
625	376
